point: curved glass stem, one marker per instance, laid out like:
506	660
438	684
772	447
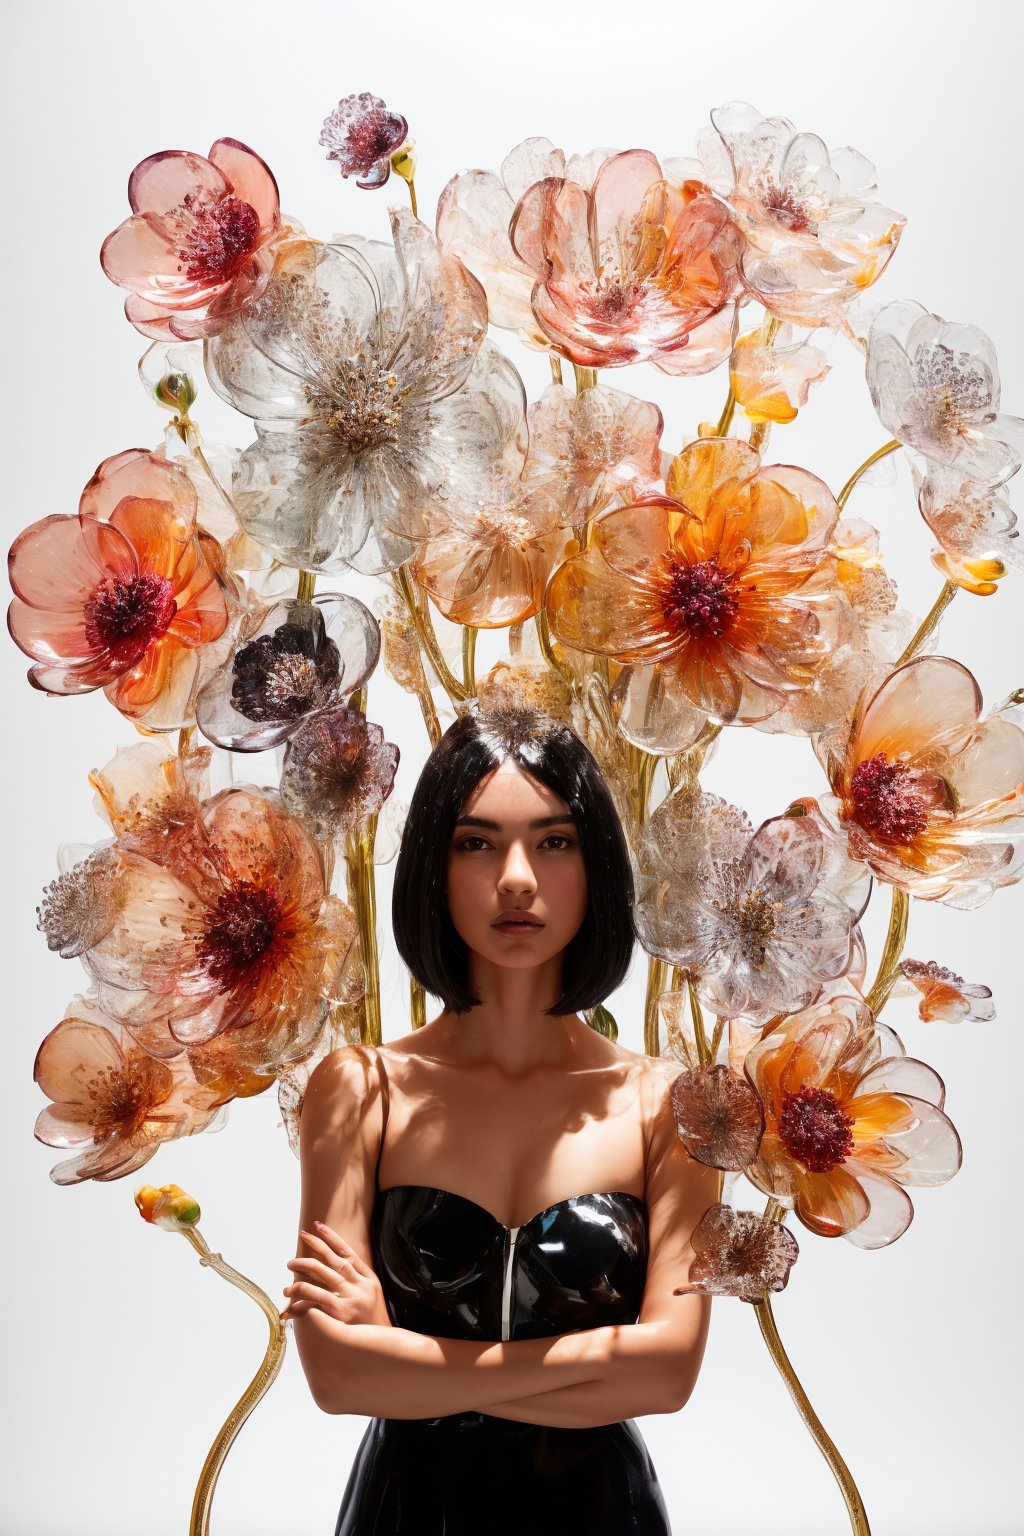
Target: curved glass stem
468	658
862	469
306	587
362	893
931	619
895	938
428	640
586	378
556	367
657	975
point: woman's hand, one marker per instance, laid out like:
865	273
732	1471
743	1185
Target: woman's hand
336	1282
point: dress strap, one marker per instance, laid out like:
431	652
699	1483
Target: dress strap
386	1101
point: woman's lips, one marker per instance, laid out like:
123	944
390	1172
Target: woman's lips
517	926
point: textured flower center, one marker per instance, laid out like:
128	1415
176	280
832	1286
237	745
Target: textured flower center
240	931
356	407
611	296
887	801
284	675
120	1098
955	384
814	1129
700	598
125	617
755	919
214	235
783	208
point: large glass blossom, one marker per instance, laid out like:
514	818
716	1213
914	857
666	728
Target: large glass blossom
935	386
850	1120
932	794
128	595
200	242
631	269
366	368
720	599
111	1100
760	920
815	239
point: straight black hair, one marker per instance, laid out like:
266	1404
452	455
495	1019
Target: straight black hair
597	958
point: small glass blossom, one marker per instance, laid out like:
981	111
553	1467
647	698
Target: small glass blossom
850	1120
169	1206
739	1253
361	135
128	595
935	386
771	378
814	238
975	526
366	368
299	660
632	268
719	599
718	1116
338	771
943	994
931	793
200	243
111	1099
80	907
760	920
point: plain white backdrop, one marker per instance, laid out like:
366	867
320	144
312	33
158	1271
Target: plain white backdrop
122	1355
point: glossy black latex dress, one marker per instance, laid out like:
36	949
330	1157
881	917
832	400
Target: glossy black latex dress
448	1268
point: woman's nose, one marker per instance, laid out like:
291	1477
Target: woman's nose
517	873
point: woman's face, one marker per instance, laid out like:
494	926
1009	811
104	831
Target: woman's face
515	848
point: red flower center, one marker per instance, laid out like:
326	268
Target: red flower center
886	801
125	617
701	598
814	1129
217	235
784	209
239	932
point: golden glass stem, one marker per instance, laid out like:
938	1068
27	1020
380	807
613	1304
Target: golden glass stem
417	1003
697	1015
257	1388
879	453
656	978
185	740
468	657
362	897
895	938
556	367
725	420
420	616
306	587
586	378
932	617
546	650
716	1040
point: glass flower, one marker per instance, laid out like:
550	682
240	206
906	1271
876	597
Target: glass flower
739	1253
297	661
361	135
771	378
930	793
975	526
943	994
632	268
473	216
366	368
935	386
814	239
111	1099
128	595
169	1207
80	907
718	1116
338	771
720	599
760	920
850	1120
200	242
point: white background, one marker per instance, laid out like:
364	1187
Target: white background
123	1356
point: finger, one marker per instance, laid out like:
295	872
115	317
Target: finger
313	1295
340	1245
329	1273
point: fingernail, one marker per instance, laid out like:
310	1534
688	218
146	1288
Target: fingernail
321	1224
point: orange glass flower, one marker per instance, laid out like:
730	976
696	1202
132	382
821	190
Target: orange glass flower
930	793
719	599
849	1121
128	595
630	268
944	995
200	242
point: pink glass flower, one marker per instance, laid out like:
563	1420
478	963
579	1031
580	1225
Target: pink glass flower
111	1099
739	1253
338	771
814	238
361	135
718	1116
943	994
127	596
631	269
200	242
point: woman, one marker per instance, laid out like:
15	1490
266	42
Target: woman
506	1205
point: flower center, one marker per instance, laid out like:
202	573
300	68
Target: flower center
783	208
214	236
700	598
122	1097
285	675
955	384
355	408
239	932
886	801
125	617
755	918
611	296
815	1130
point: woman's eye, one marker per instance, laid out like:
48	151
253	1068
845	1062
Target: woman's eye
467	840
559	838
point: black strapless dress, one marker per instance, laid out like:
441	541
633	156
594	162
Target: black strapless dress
448	1268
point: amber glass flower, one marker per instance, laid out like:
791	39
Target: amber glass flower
771	377
944	995
111	1099
632	268
975	528
720	598
361	135
850	1120
367	371
127	596
814	237
930	793
200	242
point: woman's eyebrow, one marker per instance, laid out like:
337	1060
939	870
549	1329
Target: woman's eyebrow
495	826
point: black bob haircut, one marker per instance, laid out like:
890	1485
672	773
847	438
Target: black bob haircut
597	958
